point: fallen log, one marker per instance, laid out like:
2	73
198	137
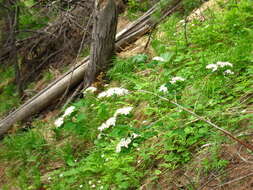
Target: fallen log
70	79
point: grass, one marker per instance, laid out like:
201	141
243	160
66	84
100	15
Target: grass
170	138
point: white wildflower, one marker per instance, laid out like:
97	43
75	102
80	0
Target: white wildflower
81	186
90	182
138	149
158	59
113	91
58	122
91	89
102	94
229	72
134	135
182	21
93	186
175	79
110	122
163	88
102	156
99	181
107	159
139	161
214	67
123	111
61	175
99	136
102	187
123	143
145	122
223	64
49	178
68	111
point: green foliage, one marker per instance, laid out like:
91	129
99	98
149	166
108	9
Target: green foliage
8	97
169	137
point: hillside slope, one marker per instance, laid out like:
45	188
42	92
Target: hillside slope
126	134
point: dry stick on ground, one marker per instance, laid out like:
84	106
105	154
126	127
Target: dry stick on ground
215	177
234	180
248	146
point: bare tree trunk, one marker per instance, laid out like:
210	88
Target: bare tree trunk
103	38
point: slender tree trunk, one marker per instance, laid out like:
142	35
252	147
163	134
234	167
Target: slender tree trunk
103	38
12	28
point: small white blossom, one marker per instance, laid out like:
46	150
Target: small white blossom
81	186
134	135
102	187
223	64
68	111
91	89
110	122
158	59
61	175
138	149
123	111
145	122
229	72
182	21
99	181
139	161
123	143
214	67
102	156
163	88
113	91
90	182
49	178
175	79
99	136
93	186
58	122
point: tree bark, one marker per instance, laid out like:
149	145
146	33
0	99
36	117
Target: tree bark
103	38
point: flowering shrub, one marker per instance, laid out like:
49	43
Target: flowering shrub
59	122
113	91
221	66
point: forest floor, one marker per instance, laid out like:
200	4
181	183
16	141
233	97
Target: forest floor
126	132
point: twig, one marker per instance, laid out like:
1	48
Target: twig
210	180
242	158
75	61
234	180
74	94
248	146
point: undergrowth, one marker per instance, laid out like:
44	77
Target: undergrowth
85	150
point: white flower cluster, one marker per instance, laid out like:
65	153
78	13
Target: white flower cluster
113	91
124	142
158	59
112	121
93	185
163	88
123	111
228	72
90	89
219	64
58	122
109	122
176	79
